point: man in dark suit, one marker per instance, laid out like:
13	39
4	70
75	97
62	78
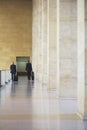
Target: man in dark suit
13	70
29	69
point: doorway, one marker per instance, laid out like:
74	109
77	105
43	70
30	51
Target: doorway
21	64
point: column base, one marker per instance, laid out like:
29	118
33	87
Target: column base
81	116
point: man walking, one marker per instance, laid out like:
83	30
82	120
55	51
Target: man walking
13	70
29	69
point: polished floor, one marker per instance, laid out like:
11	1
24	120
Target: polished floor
27	105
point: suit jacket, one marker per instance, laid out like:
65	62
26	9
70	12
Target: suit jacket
28	67
13	69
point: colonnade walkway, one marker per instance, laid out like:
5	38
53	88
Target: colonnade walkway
27	105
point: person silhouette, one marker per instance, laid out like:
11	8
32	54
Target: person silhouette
13	70
28	69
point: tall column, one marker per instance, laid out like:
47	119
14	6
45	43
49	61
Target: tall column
44	39
52	41
40	41
58	48
45	50
82	59
68	48
35	36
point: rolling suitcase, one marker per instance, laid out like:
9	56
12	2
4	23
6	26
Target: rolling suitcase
16	77
32	75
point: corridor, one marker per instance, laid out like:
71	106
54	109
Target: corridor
27	105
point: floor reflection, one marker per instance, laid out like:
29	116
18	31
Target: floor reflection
0	95
18	88
13	89
30	86
27	105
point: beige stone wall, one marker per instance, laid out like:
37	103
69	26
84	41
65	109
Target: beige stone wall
15	30
68	47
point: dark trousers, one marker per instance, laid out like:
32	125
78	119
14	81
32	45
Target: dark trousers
12	76
29	75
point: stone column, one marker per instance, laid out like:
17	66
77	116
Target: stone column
58	48
82	59
44	39
40	41
68	48
35	36
52	41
